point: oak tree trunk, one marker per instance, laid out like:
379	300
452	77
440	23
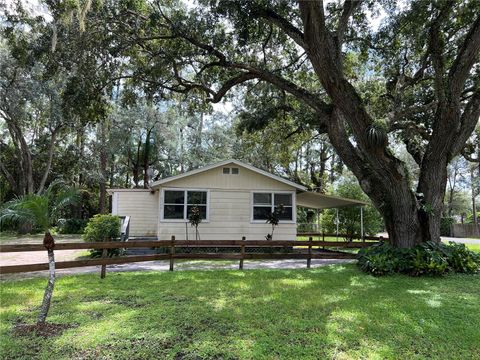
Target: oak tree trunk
411	216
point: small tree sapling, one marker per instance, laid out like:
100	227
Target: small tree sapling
195	218
273	219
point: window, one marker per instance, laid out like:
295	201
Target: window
266	203
174	205
227	171
177	204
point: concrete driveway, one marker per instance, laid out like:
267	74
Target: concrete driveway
461	240
34	257
447	239
163	265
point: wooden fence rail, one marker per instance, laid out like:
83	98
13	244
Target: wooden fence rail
175	244
345	236
182	243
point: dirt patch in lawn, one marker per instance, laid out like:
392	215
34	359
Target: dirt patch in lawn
43	330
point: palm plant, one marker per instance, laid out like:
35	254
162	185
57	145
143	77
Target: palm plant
41	211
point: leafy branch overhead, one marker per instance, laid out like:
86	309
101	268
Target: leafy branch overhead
418	73
364	80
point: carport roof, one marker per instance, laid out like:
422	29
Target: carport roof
320	201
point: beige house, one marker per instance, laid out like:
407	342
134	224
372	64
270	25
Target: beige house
234	199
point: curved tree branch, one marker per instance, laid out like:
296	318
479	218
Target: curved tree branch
468	122
217	96
436	46
466	58
348	9
271	16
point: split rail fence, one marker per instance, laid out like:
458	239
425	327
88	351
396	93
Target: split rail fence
346	237
172	255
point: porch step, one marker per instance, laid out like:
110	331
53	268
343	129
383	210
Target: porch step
141	251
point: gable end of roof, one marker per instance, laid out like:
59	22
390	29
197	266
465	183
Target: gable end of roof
226	162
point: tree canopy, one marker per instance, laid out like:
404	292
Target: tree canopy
390	89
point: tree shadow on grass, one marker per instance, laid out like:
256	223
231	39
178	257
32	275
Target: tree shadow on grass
327	312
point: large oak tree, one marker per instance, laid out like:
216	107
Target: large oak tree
422	61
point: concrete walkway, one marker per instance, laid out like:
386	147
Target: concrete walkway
180	265
461	240
447	239
65	255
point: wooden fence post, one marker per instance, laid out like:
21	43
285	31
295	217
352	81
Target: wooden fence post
309	259
172	252
242	253
104	267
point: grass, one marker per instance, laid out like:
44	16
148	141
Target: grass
7	237
329	312
474	247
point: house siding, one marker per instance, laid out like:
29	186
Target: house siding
230	207
141	206
215	179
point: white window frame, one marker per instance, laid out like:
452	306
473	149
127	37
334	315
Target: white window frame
272	206
185	205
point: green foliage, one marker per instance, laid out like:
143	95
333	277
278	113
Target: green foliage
273	219
39	211
377	134
72	226
428	258
446	226
349	217
469	219
461	259
102	228
195	218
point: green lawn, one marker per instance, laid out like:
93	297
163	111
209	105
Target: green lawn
7	237
474	247
329	312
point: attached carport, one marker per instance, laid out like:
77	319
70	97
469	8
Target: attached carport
319	201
